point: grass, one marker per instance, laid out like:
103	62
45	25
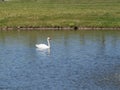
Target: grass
51	13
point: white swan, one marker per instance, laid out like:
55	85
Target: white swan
44	46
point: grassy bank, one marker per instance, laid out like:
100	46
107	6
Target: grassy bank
52	13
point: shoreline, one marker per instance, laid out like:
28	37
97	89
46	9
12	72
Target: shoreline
77	15
59	28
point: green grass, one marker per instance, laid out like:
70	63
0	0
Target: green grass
50	13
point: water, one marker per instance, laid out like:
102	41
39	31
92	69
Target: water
77	60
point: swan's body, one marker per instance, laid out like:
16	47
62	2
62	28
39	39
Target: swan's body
44	46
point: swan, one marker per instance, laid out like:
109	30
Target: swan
44	46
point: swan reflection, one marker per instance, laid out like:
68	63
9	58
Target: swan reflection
43	51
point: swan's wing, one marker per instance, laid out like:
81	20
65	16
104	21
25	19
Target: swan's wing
42	46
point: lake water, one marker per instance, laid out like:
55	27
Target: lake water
77	60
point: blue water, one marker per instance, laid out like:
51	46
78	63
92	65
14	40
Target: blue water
77	60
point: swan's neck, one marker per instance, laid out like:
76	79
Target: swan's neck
48	43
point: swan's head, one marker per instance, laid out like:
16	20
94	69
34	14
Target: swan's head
48	38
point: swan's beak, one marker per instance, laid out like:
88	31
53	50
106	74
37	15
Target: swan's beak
49	38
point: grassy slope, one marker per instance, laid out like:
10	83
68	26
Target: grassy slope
84	13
